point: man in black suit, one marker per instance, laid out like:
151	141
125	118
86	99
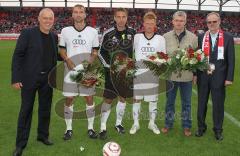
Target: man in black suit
219	46
34	56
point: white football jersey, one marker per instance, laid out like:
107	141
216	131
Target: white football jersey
144	47
78	42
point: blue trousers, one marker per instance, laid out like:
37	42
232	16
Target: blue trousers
186	94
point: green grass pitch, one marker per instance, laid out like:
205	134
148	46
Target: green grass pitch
144	143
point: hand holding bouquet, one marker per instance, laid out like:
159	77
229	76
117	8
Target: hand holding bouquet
179	60
157	63
123	68
87	74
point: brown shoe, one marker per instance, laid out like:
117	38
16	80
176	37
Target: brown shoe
187	132
165	130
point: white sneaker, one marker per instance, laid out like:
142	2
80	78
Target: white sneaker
134	129
154	128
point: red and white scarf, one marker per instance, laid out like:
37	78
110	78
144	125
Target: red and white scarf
206	44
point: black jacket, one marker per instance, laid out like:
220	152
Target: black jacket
114	41
224	69
26	60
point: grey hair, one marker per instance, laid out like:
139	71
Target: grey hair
213	13
180	13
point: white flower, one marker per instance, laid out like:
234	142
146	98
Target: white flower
160	60
79	67
193	61
184	60
199	51
211	66
178	56
185	52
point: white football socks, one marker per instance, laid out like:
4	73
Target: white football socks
152	112
136	112
68	114
90	112
105	112
120	110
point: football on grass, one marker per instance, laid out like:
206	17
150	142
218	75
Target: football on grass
111	149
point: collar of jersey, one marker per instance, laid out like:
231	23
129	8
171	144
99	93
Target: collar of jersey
149	38
79	30
125	30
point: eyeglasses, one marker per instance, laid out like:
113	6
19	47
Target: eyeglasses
210	22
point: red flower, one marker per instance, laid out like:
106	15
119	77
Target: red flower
190	50
162	55
89	82
166	57
190	53
152	58
199	57
121	57
130	64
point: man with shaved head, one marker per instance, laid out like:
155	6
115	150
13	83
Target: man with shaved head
34	56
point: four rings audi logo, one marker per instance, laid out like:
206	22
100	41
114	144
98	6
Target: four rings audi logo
79	41
148	49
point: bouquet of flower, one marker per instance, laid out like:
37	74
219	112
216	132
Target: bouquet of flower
187	59
123	68
181	59
87	74
157	63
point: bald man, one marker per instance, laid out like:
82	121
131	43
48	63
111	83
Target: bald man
34	56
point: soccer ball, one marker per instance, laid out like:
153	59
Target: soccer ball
111	149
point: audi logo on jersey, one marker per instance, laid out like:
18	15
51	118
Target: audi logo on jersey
148	49
79	42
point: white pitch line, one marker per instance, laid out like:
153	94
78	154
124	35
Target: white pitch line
229	116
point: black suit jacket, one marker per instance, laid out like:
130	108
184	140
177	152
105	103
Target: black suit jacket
26	60
224	69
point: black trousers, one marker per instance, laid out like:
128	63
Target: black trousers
45	93
205	87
